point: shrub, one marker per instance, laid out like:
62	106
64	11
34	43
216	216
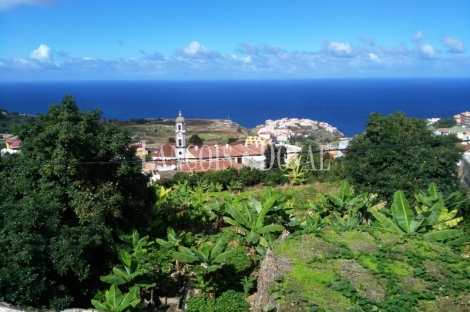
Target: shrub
250	177
273	178
229	301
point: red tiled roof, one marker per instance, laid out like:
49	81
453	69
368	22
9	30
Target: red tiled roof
13	143
165	151
211	165
235	149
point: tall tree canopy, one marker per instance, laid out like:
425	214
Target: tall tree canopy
390	156
75	182
196	140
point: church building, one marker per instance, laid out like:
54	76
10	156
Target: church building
207	157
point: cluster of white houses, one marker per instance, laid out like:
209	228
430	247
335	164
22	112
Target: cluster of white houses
281	130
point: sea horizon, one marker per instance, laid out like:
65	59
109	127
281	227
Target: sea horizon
345	103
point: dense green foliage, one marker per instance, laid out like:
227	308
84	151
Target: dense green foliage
9	119
195	139
229	301
275	157
391	156
225	178
58	212
370	270
63	220
445	123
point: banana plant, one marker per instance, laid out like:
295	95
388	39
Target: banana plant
248	220
163	195
296	173
128	274
116	301
441	211
404	221
429	198
138	245
206	259
174	241
345	199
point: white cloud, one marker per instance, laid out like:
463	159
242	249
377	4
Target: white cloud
427	52
194	48
8	4
454	44
249	48
197	51
338	48
366	40
418	37
42	54
374	57
334	59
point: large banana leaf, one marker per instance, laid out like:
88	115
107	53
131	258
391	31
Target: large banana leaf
223	257
263	242
130	299
218	247
458	241
101	306
242	216
435	212
338	202
433	192
114	279
202	253
113	296
440	236
260	219
256	205
126	259
238	227
344	191
386	223
252	237
402	213
184	255
270	228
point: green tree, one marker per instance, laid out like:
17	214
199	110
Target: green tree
196	140
393	154
445	123
275	157
74	183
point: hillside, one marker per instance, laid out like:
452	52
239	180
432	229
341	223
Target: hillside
158	131
368	270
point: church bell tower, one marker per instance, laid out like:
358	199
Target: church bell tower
181	139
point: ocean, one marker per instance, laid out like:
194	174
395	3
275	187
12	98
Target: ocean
343	103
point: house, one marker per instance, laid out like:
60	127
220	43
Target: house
12	147
140	151
13	144
464	118
442	131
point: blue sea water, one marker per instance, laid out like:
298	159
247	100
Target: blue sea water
344	103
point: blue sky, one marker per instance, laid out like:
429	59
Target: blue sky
227	39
